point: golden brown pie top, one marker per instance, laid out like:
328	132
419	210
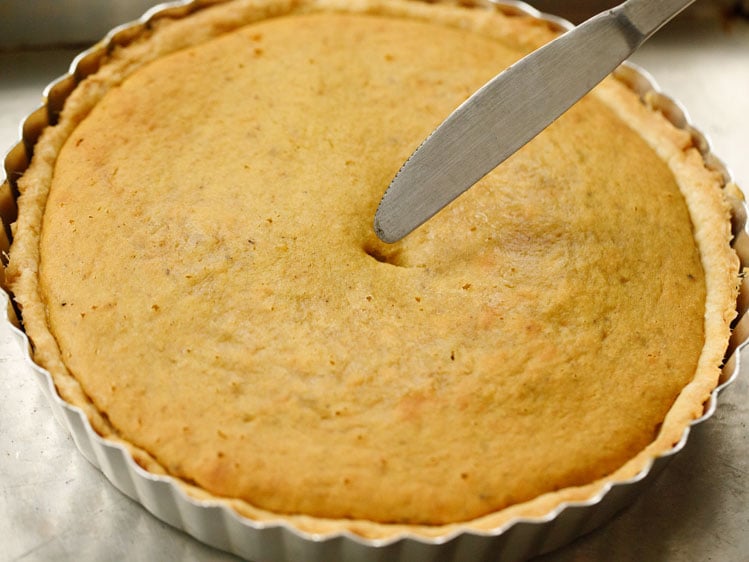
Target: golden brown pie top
196	265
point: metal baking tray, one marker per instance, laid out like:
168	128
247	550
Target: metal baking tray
216	524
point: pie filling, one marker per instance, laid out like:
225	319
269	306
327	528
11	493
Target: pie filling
209	283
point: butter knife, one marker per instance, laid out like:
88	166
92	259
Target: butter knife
511	109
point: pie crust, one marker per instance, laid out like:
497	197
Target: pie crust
195	265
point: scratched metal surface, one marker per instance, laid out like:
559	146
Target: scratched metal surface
55	506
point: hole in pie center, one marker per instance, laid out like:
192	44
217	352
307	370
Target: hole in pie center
384	254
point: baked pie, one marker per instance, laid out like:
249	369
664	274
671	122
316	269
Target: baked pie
195	264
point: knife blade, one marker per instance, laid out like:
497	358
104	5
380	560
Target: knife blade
511	109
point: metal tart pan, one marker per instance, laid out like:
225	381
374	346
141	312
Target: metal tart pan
213	522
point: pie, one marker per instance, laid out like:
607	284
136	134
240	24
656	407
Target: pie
195	264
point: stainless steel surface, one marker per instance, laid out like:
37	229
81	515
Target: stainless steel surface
55	506
39	23
511	109
579	10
